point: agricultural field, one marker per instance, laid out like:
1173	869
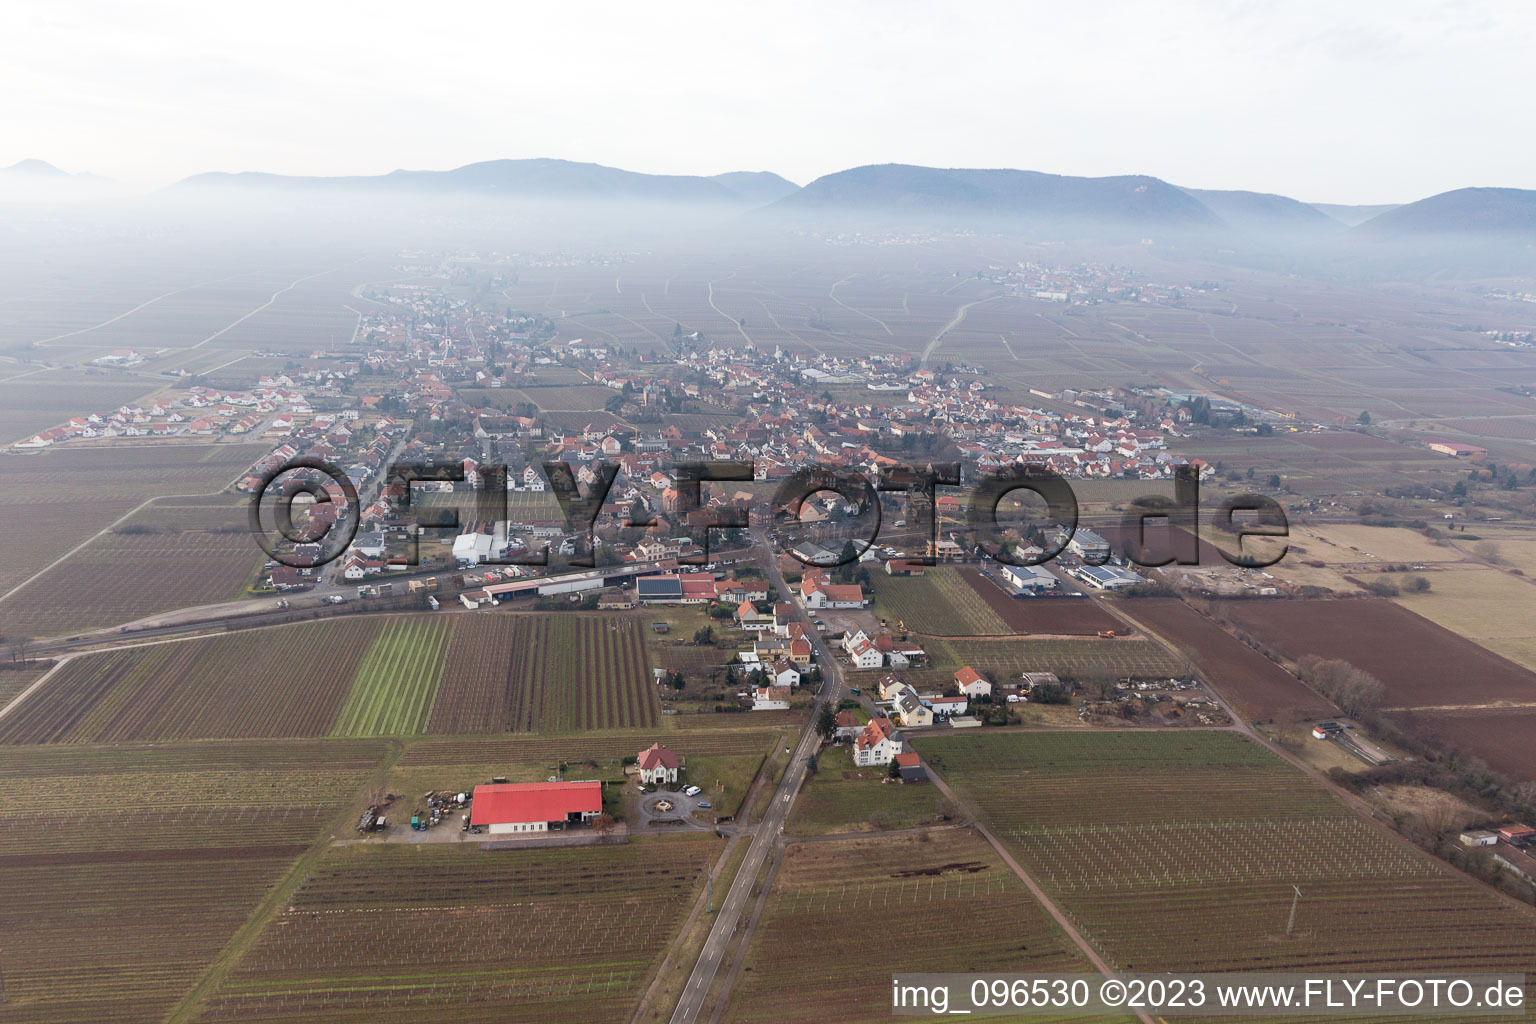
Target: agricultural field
57	499
396	681
939	603
1502	737
1059	616
843	798
33	400
288	681
1487	606
475	693
596	745
1356	544
128	868
574	672
392	933
14	678
946	894
174	554
1420	663
1173	850
1079	658
374	675
567	398
266	793
1256	688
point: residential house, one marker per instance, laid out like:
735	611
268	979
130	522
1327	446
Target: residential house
972	683
949	706
658	765
912	711
848	726
785	673
864	654
770	698
878	743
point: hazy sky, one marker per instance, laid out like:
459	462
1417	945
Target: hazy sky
1340	101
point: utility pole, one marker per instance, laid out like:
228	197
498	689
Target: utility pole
709	892
1291	924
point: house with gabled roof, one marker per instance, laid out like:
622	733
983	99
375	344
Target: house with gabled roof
972	683
658	765
848	726
878	743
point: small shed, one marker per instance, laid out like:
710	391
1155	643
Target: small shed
911	768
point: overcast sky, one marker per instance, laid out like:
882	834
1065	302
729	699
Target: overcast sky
1356	101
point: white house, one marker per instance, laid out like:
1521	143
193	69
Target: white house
785	673
949	705
658	765
879	743
972	683
865	655
770	698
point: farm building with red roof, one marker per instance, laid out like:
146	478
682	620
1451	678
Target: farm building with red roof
535	806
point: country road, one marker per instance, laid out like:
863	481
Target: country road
769	836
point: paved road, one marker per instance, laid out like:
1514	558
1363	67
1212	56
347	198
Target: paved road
769	831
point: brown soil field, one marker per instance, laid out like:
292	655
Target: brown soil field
1067	616
1159	538
1420	663
1504	737
1257	688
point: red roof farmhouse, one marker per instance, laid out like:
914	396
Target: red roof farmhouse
657	765
535	806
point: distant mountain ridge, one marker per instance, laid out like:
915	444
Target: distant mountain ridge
41	168
926	192
1486	212
41	180
539	178
1265	211
877	194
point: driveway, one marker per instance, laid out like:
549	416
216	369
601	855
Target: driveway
681	810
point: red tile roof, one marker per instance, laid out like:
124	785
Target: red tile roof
534	801
967	675
877	730
657	755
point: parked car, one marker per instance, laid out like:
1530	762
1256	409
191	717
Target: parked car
692	791
705	804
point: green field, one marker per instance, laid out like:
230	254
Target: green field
842	798
396	682
1173	851
940	602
